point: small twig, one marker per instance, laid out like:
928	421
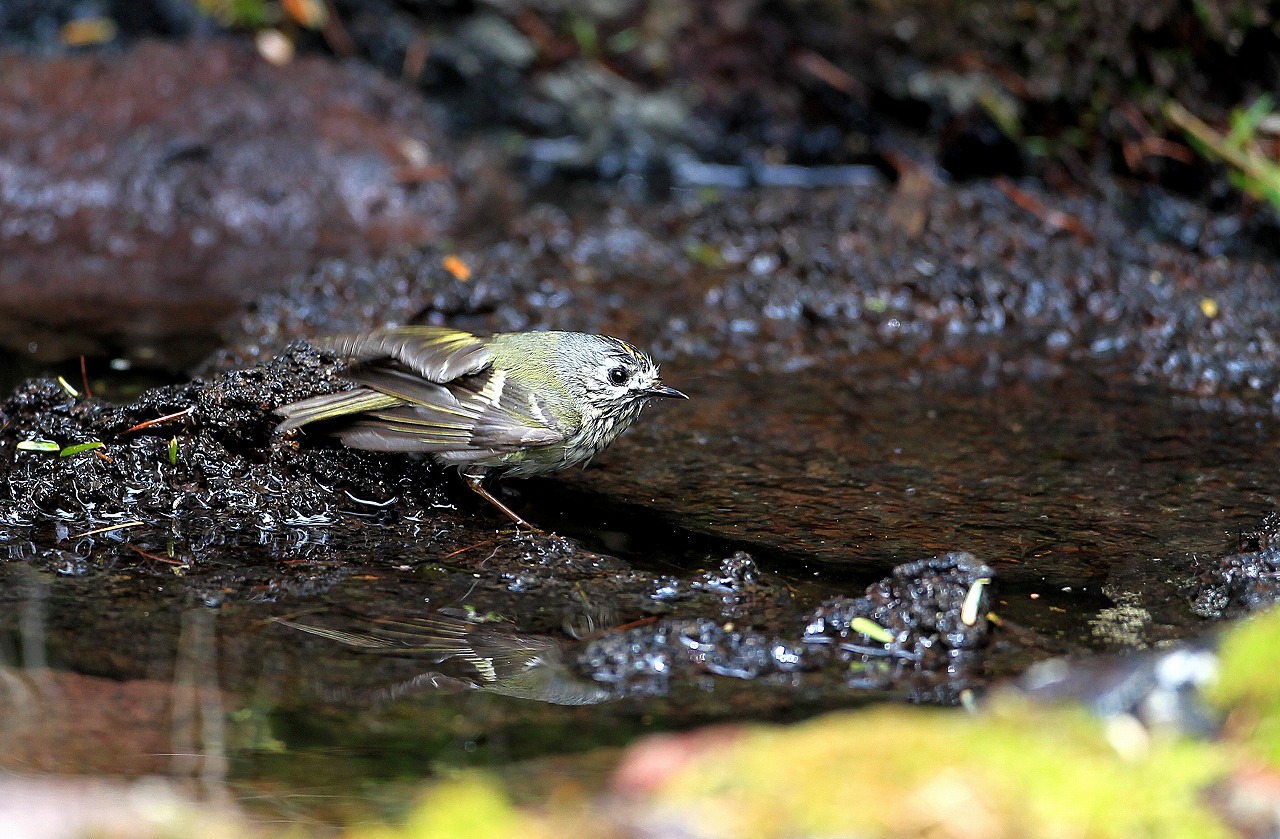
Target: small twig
336	35
166	418
156	557
124	526
467	548
636	623
822	69
1056	219
1156	147
409	175
415	58
84	378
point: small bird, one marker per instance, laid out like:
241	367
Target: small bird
515	403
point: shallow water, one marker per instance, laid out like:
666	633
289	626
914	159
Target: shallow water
1055	483
1089	499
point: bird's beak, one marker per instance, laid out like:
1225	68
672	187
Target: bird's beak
659	389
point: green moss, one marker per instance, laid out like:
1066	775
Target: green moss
1027	772
472	806
1247	687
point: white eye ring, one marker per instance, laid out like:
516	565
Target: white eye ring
619	376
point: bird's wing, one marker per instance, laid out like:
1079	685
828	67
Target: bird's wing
485	411
435	353
329	406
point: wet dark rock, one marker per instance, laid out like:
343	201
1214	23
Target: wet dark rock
725	651
1237	585
932	655
647	661
736	576
149	195
921	606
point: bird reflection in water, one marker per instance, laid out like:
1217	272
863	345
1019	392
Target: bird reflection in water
489	656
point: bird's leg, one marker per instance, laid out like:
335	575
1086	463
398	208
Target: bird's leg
476	482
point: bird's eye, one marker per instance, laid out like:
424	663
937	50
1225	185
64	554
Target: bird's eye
618	376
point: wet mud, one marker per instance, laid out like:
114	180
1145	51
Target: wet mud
786	280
